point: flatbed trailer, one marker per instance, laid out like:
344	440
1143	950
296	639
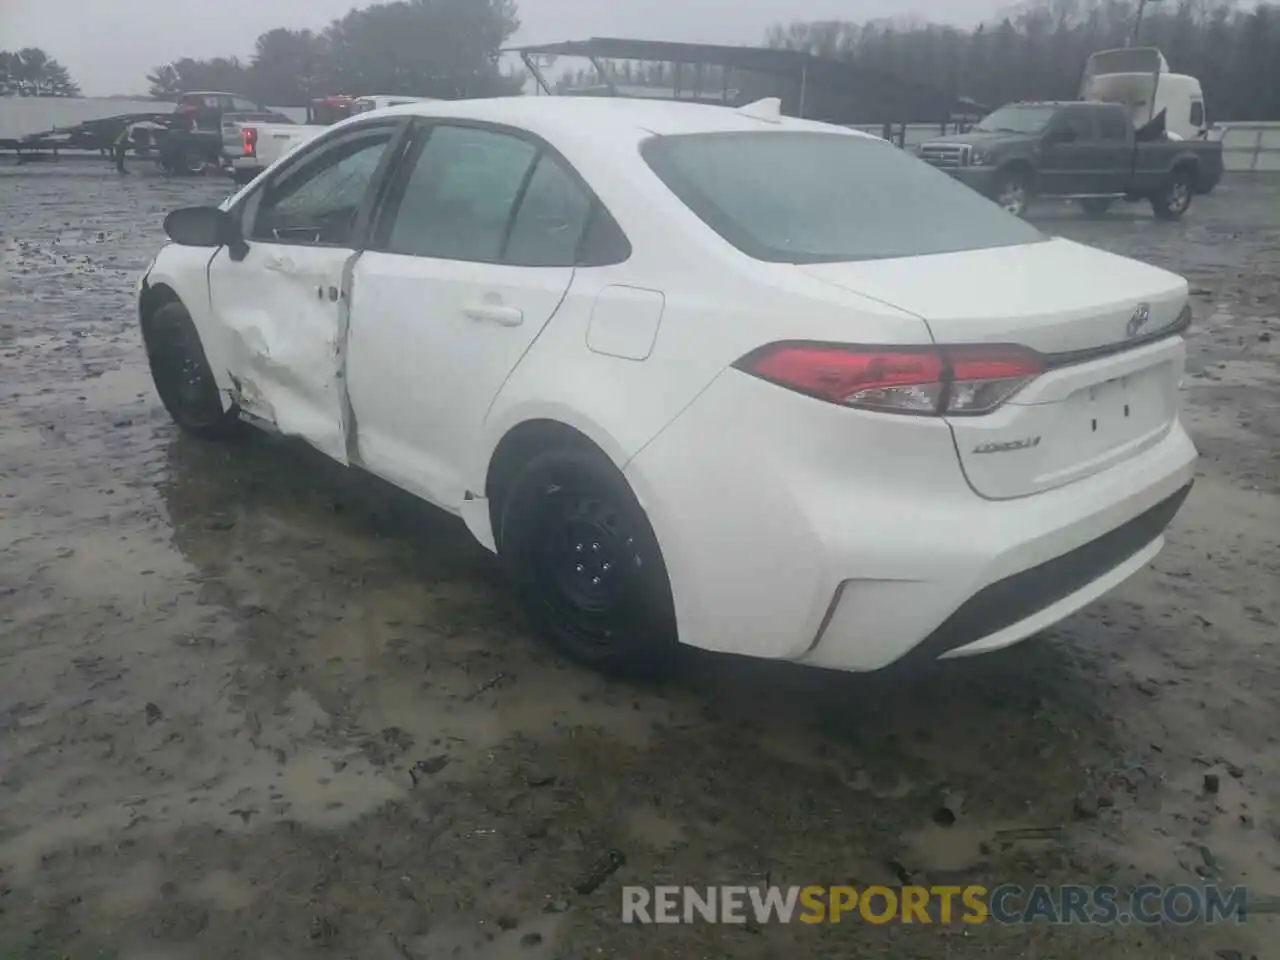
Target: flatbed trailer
92	136
167	138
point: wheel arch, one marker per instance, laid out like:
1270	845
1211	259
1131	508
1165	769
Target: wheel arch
152	297
524	439
180	275
1187	163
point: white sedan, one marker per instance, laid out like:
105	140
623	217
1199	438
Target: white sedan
697	375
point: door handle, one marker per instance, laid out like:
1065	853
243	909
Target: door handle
494	313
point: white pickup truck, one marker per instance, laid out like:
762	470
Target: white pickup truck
249	148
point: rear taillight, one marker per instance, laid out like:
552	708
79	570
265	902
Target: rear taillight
960	380
250	137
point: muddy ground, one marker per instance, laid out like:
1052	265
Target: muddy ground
254	707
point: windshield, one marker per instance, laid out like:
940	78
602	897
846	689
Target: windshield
819	197
1018	119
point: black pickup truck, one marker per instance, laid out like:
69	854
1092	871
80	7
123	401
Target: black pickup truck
1085	151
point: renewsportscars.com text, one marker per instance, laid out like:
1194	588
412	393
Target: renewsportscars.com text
1006	904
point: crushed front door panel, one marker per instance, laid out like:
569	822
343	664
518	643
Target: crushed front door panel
284	311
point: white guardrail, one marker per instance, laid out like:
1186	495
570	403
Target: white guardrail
1247	146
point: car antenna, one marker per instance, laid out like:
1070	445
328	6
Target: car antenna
769	110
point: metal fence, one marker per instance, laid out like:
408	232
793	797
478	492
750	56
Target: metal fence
1247	146
1251	146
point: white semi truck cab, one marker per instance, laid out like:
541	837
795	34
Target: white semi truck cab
1139	78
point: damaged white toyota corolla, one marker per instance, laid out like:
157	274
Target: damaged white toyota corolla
696	375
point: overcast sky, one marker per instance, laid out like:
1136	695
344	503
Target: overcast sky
109	45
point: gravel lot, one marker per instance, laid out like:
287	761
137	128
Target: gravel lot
253	706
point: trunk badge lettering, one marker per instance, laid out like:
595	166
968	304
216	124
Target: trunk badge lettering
1026	443
1139	320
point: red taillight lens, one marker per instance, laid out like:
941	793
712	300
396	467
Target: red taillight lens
950	380
983	377
250	137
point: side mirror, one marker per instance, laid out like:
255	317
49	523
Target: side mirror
204	227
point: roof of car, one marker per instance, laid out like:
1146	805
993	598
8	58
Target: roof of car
592	116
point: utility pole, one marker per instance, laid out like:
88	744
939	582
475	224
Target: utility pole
1137	22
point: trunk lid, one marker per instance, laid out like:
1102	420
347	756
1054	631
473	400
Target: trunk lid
1111	384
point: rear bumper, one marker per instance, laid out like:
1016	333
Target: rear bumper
798	530
242	169
1006	611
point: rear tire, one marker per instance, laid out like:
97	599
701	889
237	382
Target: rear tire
191	164
1175	199
587	565
183	377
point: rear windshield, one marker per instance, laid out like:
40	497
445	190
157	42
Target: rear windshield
800	197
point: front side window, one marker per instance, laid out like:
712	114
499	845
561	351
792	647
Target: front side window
460	194
317	202
1197	113
793	197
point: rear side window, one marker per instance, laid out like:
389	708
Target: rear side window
461	194
801	197
549	222
1112	125
1080	121
489	196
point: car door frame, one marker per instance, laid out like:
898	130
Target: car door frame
392	195
1071	167
358	240
1115	157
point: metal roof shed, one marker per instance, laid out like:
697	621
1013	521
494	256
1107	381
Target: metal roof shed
815	88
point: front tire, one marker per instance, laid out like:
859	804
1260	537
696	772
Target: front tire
1013	192
1175	199
1095	207
182	375
587	565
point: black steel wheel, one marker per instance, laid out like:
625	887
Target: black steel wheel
1013	191
1175	199
182	374
587	565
